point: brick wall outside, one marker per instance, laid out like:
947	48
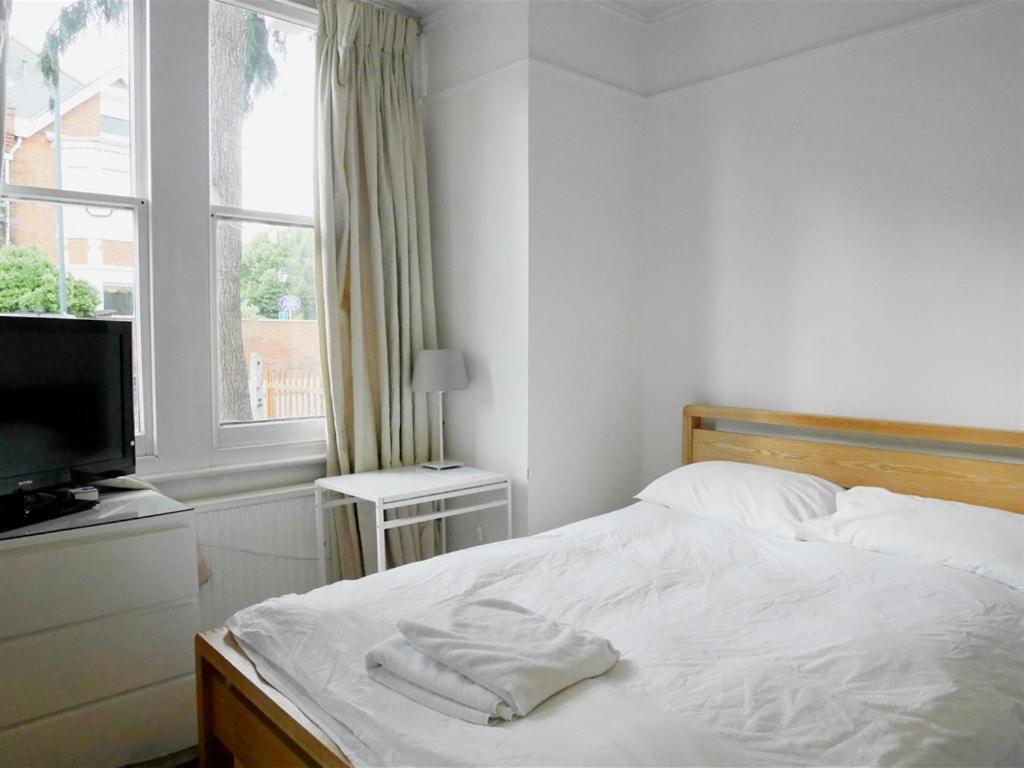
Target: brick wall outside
116	253
283	344
35	224
34	165
9	138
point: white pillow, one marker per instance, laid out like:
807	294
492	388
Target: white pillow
773	501
981	540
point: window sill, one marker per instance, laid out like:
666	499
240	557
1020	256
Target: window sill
237	478
272	435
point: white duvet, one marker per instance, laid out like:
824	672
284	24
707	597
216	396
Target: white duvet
737	649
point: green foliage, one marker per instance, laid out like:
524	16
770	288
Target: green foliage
260	67
263	257
72	20
29	283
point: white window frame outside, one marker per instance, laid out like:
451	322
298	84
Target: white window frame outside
308	432
145	444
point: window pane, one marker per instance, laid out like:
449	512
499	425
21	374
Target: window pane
269	348
261	111
99	266
86	144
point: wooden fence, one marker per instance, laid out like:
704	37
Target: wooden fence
293	394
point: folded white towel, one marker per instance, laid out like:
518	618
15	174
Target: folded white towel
402	668
486	660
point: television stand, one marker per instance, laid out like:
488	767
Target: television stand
20	509
113	589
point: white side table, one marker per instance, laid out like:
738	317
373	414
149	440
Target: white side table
406	486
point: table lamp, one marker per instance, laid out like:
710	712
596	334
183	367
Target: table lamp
439	370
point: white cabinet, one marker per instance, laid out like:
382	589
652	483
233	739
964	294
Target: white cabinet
96	633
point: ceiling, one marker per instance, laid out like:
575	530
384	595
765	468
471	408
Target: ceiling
641	10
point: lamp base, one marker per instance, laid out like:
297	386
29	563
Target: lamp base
441	464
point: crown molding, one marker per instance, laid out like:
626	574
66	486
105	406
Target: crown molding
536	64
835	47
846	44
442	13
629	10
672	12
454	88
581	78
619	10
624	11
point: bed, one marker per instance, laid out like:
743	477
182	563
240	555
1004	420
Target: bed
738	649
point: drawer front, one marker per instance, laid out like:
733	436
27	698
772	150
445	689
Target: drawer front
45	672
124	729
49	585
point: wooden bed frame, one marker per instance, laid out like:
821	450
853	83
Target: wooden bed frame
987	482
243	721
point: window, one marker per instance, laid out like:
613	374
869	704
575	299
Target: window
261	192
72	204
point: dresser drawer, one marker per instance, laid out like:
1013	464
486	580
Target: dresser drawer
123	729
53	583
55	669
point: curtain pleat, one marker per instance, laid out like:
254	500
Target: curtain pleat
374	277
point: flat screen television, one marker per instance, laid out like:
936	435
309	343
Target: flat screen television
66	402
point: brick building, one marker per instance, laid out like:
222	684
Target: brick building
95	156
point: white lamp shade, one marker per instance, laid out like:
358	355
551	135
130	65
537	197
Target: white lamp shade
439	370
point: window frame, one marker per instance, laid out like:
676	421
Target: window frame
138	203
308	433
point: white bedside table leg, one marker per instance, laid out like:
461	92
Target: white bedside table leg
321	541
382	554
508	497
444	528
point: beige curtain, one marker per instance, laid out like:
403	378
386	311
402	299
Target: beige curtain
374	278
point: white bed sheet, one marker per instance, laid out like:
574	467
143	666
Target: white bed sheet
737	649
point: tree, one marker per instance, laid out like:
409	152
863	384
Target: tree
264	258
241	68
74	18
28	283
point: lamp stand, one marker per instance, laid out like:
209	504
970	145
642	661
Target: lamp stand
441	464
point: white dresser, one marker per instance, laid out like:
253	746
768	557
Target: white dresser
98	612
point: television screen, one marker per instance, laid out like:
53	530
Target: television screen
66	411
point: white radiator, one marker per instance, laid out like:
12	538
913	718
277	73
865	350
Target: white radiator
257	546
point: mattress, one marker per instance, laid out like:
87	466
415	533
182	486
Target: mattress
737	649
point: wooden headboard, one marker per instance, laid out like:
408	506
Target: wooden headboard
985	481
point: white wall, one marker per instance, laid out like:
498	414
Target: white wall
536	221
585	260
842	232
828	217
585	269
476	114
